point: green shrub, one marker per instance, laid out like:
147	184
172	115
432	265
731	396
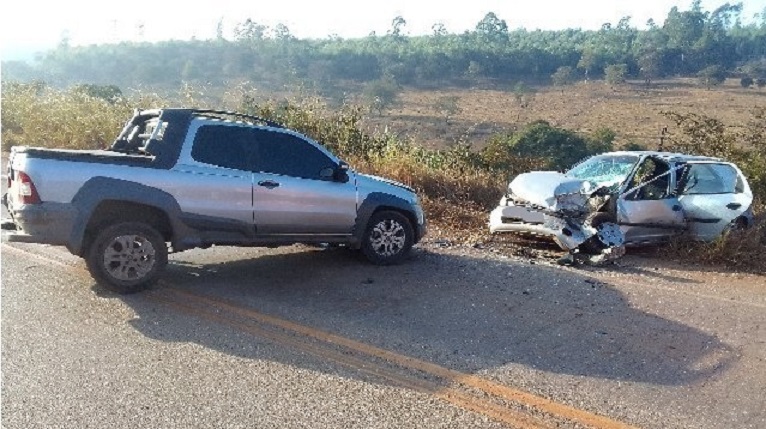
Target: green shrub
544	146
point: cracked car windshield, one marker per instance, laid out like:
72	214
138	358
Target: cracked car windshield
604	170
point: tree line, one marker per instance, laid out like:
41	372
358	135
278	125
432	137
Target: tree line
689	42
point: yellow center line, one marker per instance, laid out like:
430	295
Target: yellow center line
490	409
449	394
487	386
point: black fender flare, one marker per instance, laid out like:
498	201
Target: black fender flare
99	189
379	200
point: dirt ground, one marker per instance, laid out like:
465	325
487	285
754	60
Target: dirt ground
633	110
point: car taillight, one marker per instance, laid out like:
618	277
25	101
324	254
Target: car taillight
27	191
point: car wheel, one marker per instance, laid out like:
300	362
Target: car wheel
388	238
738	224
608	235
127	257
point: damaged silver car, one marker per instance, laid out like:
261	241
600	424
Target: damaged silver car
618	199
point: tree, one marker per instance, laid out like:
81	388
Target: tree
448	106
711	76
559	147
397	24
249	31
523	95
760	82
281	32
649	66
562	76
588	60
381	94
632	145
601	141
474	70
746	82
492	29
615	74
684	30
439	30
649	50
219	29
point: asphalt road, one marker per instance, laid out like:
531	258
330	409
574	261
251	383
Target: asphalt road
302	337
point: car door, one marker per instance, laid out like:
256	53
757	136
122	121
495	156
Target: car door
647	209
212	181
712	195
291	195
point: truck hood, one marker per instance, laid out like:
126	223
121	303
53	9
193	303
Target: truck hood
379	179
551	190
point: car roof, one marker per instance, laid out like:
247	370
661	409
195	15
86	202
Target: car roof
667	156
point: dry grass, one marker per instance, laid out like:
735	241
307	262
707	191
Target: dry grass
457	193
456	205
632	110
743	250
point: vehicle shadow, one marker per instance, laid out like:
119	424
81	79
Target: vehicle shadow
460	312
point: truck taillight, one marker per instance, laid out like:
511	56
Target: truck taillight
27	191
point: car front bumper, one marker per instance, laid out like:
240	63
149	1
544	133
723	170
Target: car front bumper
518	219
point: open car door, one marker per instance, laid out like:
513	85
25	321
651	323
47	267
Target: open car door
648	210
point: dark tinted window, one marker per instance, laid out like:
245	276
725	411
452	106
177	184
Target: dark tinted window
224	146
281	153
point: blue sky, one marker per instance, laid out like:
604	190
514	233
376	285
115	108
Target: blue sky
36	25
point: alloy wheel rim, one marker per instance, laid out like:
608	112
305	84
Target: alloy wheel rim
388	238
129	257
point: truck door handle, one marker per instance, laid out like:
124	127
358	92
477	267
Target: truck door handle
269	184
733	206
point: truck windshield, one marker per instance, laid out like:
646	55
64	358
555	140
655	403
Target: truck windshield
604	170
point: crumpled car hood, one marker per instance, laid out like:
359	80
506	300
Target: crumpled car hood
551	189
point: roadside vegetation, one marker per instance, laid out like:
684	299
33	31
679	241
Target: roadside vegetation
459	185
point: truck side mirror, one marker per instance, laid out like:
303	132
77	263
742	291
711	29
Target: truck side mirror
327	173
341	173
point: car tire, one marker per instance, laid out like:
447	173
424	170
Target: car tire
127	257
593	245
388	238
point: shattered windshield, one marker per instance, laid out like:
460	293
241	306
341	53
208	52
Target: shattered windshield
604	170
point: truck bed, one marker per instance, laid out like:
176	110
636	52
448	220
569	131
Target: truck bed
89	156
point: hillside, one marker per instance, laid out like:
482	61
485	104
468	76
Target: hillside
632	110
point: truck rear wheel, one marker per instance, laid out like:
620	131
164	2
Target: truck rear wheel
127	257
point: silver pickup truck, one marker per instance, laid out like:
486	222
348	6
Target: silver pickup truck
177	179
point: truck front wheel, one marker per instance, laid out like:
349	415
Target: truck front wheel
127	257
388	238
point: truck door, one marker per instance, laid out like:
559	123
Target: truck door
712	195
294	191
213	183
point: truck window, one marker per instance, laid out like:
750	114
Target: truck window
286	154
224	145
